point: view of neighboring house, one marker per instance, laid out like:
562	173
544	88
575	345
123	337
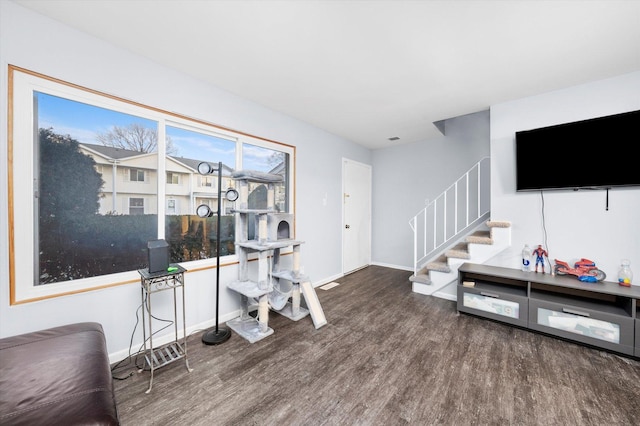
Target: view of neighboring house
131	182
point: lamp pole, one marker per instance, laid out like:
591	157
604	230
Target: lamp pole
217	334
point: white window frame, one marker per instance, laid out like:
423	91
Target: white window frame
172	175
136	207
22	260
144	175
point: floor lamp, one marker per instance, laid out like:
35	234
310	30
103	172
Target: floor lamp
217	334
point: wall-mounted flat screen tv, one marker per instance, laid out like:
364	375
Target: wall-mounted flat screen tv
588	154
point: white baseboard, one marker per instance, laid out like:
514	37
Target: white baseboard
389	265
327	280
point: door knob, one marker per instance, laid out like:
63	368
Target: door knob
347	226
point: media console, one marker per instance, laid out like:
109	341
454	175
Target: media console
604	315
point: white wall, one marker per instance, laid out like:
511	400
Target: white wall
577	223
31	41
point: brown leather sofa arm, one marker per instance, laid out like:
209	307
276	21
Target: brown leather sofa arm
57	376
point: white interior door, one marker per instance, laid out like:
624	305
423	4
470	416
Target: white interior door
356	217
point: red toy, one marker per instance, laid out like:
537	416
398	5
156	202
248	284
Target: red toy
584	269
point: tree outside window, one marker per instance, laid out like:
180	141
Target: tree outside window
89	224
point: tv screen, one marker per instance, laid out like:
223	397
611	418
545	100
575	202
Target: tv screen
588	154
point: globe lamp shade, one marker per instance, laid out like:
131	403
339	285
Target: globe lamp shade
203	210
205	168
231	194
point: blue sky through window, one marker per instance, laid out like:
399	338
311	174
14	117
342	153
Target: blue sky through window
198	146
84	122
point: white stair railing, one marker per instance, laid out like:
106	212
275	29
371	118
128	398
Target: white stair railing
460	206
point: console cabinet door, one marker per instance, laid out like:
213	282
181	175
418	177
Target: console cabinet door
496	303
589	326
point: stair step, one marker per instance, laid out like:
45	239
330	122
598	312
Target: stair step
420	278
480	237
477	245
438	266
459	251
498	224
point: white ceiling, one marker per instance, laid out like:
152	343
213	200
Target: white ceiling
371	70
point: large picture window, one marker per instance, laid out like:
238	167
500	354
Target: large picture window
95	177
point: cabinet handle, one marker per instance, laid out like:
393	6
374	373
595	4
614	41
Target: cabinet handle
495	296
573	311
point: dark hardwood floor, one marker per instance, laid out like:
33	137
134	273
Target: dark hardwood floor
386	357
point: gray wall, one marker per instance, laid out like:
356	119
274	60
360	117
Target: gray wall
406	176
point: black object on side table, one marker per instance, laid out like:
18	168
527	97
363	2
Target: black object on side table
171	279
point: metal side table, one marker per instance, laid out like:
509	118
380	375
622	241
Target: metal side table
172	279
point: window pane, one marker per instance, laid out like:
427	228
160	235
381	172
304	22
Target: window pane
96	203
136	205
191	237
136	175
268	161
173	178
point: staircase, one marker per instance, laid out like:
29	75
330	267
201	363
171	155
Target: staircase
453	229
439	277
